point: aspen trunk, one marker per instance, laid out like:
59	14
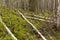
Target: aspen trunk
58	15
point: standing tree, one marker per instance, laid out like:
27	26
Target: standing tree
58	15
32	5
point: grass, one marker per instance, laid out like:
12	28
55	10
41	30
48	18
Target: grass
3	34
21	29
45	26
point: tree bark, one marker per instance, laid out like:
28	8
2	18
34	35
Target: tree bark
58	15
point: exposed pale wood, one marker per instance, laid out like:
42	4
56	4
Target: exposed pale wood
8	30
32	25
39	19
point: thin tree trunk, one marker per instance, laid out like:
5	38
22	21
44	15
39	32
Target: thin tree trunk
4	4
54	14
58	15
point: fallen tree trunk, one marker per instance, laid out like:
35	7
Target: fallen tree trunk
40	19
8	30
37	16
32	25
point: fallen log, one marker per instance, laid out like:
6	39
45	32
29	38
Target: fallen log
40	19
32	25
7	29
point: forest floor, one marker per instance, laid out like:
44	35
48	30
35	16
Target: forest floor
22	30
